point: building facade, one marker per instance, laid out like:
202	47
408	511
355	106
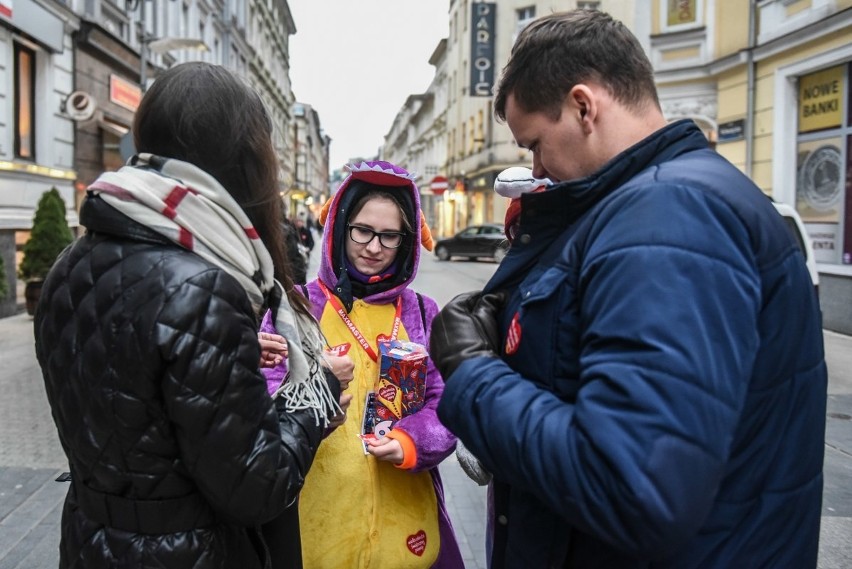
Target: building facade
417	138
74	72
36	135
310	187
768	81
449	134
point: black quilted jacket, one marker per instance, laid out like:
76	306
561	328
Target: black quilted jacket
150	361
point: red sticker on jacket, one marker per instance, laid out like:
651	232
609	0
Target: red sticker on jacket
340	350
417	543
513	336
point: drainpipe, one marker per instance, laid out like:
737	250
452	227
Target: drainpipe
143	48
750	80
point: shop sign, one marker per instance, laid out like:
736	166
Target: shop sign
124	93
821	99
483	16
825	241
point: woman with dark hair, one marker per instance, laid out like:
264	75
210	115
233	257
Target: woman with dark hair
384	495
146	332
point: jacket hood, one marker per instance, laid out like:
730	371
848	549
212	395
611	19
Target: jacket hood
362	178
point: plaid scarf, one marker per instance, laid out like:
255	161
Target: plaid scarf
188	206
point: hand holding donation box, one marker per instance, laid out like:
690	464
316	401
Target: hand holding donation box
401	385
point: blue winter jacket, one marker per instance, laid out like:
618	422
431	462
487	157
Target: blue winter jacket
661	399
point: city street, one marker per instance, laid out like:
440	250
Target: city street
31	458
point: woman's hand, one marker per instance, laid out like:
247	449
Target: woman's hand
340	418
386	449
273	349
343	369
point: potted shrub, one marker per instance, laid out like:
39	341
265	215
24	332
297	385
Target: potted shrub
49	236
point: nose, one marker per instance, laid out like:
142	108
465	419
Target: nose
538	171
374	246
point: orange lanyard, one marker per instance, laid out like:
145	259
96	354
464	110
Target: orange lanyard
362	341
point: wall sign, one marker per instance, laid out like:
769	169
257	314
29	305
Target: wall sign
483	16
731	131
821	99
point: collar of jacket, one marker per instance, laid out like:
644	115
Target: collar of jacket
565	202
97	216
547	215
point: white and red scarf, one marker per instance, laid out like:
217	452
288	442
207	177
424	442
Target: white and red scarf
191	208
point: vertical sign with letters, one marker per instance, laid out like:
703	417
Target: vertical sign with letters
482	48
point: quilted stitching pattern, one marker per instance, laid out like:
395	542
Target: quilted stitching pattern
150	362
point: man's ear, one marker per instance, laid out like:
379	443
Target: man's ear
583	105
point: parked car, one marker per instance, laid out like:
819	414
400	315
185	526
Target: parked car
794	222
486	240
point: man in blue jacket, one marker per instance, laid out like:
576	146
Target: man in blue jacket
644	374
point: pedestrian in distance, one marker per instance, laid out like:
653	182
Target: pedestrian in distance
305	234
383	495
643	375
146	333
296	256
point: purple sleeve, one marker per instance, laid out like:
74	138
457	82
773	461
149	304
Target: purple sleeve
274	375
433	441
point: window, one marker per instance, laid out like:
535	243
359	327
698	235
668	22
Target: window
681	14
24	102
479	139
184	20
588	5
824	136
523	17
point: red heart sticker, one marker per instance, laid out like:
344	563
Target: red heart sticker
417	543
388	392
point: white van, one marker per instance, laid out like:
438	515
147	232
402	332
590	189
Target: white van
794	222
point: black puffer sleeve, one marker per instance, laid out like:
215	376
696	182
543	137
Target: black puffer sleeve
247	455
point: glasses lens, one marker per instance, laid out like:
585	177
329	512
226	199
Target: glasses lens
360	235
390	240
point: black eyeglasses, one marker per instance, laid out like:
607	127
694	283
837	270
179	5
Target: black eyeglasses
364	235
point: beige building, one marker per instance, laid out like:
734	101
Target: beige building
768	81
448	135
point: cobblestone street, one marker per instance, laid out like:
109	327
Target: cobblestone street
31	457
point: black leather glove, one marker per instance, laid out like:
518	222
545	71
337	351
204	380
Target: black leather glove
465	328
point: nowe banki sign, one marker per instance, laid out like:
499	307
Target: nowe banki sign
482	49
821	97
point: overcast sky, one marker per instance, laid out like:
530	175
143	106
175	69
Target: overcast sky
356	61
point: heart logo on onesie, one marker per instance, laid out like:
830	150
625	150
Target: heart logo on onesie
417	543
